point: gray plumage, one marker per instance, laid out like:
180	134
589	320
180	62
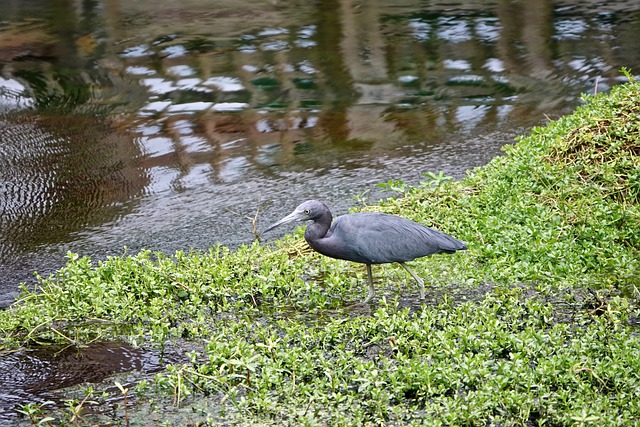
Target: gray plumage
370	238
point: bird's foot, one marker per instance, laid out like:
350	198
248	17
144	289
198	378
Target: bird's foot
369	297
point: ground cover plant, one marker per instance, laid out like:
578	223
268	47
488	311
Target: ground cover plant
536	324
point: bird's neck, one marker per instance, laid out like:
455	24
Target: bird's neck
318	228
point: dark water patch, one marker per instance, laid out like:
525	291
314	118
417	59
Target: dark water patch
33	375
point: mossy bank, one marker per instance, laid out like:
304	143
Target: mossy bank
534	325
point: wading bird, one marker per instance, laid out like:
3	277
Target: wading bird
370	238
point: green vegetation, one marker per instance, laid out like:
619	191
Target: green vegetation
533	325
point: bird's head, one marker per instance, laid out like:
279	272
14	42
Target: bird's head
307	211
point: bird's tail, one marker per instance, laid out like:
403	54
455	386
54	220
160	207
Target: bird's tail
450	244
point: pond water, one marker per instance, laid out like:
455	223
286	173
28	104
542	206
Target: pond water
33	376
163	125
158	125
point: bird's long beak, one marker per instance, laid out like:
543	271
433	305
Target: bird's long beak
294	216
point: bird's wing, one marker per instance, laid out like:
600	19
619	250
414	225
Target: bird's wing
378	238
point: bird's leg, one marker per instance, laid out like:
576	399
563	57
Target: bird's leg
372	290
415	276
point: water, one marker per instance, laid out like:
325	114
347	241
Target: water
166	126
34	375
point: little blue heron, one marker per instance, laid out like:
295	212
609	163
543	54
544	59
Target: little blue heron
370	238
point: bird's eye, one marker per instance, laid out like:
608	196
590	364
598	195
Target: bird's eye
306	211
